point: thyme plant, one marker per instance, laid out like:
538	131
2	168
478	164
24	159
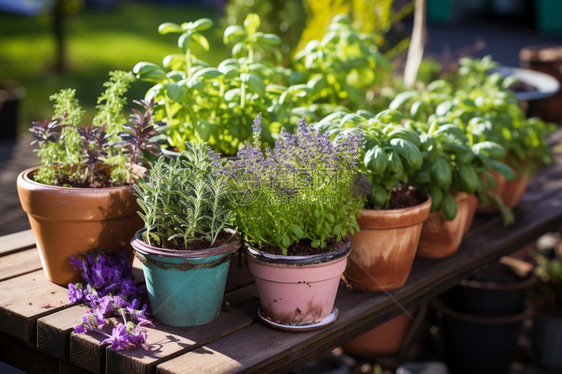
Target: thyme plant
184	205
306	190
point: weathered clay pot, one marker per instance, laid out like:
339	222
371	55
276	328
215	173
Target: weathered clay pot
185	287
67	221
513	191
384	248
383	340
472	206
441	237
298	292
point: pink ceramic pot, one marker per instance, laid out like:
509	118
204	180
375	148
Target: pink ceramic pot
298	290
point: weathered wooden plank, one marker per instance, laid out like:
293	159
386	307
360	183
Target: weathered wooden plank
53	331
22	356
19	263
26	298
86	353
17	242
165	342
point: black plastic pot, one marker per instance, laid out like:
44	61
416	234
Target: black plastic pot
547	341
495	292
483	345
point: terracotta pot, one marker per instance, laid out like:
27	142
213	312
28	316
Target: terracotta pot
298	292
514	190
385	339
67	221
472	206
441	237
384	248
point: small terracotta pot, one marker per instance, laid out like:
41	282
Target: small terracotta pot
385	339
297	290
472	206
67	221
514	190
384	248
441	237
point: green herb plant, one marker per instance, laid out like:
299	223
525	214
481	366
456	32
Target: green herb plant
390	152
217	104
183	202
305	192
108	152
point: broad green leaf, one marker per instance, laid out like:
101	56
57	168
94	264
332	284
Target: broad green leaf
409	152
254	82
201	40
269	39
175	92
402	98
441	173
298	231
251	23
209	73
449	206
169	27
184	41
202	24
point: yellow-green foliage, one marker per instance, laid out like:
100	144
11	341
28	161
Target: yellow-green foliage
375	17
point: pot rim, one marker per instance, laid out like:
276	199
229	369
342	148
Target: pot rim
139	245
519	317
415	214
260	256
25	177
526	282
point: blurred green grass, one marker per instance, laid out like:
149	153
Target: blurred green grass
97	42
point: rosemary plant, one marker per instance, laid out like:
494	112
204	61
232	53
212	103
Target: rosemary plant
183	204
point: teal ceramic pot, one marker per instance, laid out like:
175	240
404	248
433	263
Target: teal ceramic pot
185	288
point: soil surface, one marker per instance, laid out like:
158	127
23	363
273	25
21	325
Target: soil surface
405	197
222	238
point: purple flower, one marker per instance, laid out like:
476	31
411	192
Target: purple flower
75	293
119	339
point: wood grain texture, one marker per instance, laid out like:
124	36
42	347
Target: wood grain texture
17	242
53	331
25	299
165	342
19	263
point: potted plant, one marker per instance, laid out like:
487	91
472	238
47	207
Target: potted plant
294	205
450	174
82	197
218	104
186	244
390	223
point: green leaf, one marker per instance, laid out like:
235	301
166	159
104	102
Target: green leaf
337	229
175	92
395	164
169	27
376	160
298	231
402	98
269	39
184	41
441	173
409	152
504	170
444	108
378	196
233	33
201	40
315	243
205	129
286	241
251	23
449	207
468	177
202	24
491	149
436	198
209	73
254	82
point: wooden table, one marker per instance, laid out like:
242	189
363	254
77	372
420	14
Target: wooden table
36	323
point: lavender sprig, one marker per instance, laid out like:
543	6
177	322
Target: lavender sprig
109	286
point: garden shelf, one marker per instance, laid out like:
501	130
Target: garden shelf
36	323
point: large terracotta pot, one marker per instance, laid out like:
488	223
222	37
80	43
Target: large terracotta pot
298	293
441	237
67	221
384	248
385	339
